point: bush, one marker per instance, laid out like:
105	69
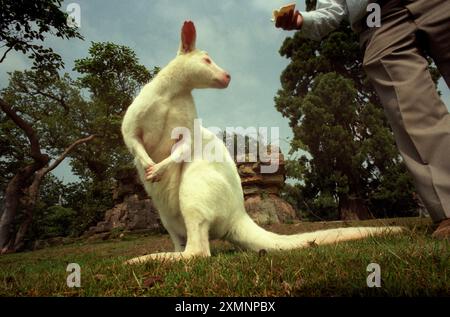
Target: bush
56	221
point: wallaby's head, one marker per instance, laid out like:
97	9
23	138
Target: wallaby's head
196	66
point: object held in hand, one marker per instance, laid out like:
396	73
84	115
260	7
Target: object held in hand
283	10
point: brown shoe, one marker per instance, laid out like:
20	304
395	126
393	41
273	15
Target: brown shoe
443	230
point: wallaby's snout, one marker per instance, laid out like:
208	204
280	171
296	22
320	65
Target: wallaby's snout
224	81
227	79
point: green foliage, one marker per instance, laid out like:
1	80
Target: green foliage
24	25
52	105
51	205
90	200
113	76
322	208
343	146
67	209
57	222
59	114
392	196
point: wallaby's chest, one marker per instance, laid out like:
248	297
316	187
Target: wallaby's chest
161	121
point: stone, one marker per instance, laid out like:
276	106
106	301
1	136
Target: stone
261	191
251	180
133	209
247	169
443	230
269	209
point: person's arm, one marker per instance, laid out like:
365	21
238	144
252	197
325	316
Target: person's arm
318	23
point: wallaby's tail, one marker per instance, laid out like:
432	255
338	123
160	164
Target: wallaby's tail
249	235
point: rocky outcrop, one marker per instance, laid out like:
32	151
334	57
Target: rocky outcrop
262	192
133	209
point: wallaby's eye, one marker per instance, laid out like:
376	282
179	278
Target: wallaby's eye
207	60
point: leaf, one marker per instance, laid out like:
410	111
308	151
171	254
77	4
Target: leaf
286	287
99	277
152	281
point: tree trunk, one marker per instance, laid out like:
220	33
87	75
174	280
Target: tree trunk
18	187
351	208
30	200
13	194
17	191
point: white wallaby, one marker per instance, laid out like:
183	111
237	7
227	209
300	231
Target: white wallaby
201	199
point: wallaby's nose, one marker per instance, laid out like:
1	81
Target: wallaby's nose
227	79
224	80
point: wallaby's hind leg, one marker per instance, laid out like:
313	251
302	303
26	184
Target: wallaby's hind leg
197	245
178	241
197	237
178	237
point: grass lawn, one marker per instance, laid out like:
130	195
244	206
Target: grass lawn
411	264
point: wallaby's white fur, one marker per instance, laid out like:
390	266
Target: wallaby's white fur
198	200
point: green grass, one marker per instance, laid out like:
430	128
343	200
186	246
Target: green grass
411	264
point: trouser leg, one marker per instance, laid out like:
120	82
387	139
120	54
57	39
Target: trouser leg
432	18
396	66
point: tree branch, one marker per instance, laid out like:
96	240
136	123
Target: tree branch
60	100
35	151
38	91
4	54
67	152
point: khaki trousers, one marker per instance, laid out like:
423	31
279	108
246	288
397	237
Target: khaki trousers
395	62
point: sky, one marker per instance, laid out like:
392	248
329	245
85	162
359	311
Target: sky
238	35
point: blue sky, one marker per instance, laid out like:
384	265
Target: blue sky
238	35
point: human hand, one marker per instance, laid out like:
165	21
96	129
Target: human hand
289	21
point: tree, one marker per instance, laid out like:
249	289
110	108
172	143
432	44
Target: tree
347	156
54	107
113	76
25	24
35	104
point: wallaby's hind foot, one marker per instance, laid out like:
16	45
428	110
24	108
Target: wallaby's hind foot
165	256
197	245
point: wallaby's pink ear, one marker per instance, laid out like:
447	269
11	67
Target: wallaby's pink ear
188	37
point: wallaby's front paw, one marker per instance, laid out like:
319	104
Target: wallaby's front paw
154	173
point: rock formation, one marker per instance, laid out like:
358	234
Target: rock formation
261	193
133	209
